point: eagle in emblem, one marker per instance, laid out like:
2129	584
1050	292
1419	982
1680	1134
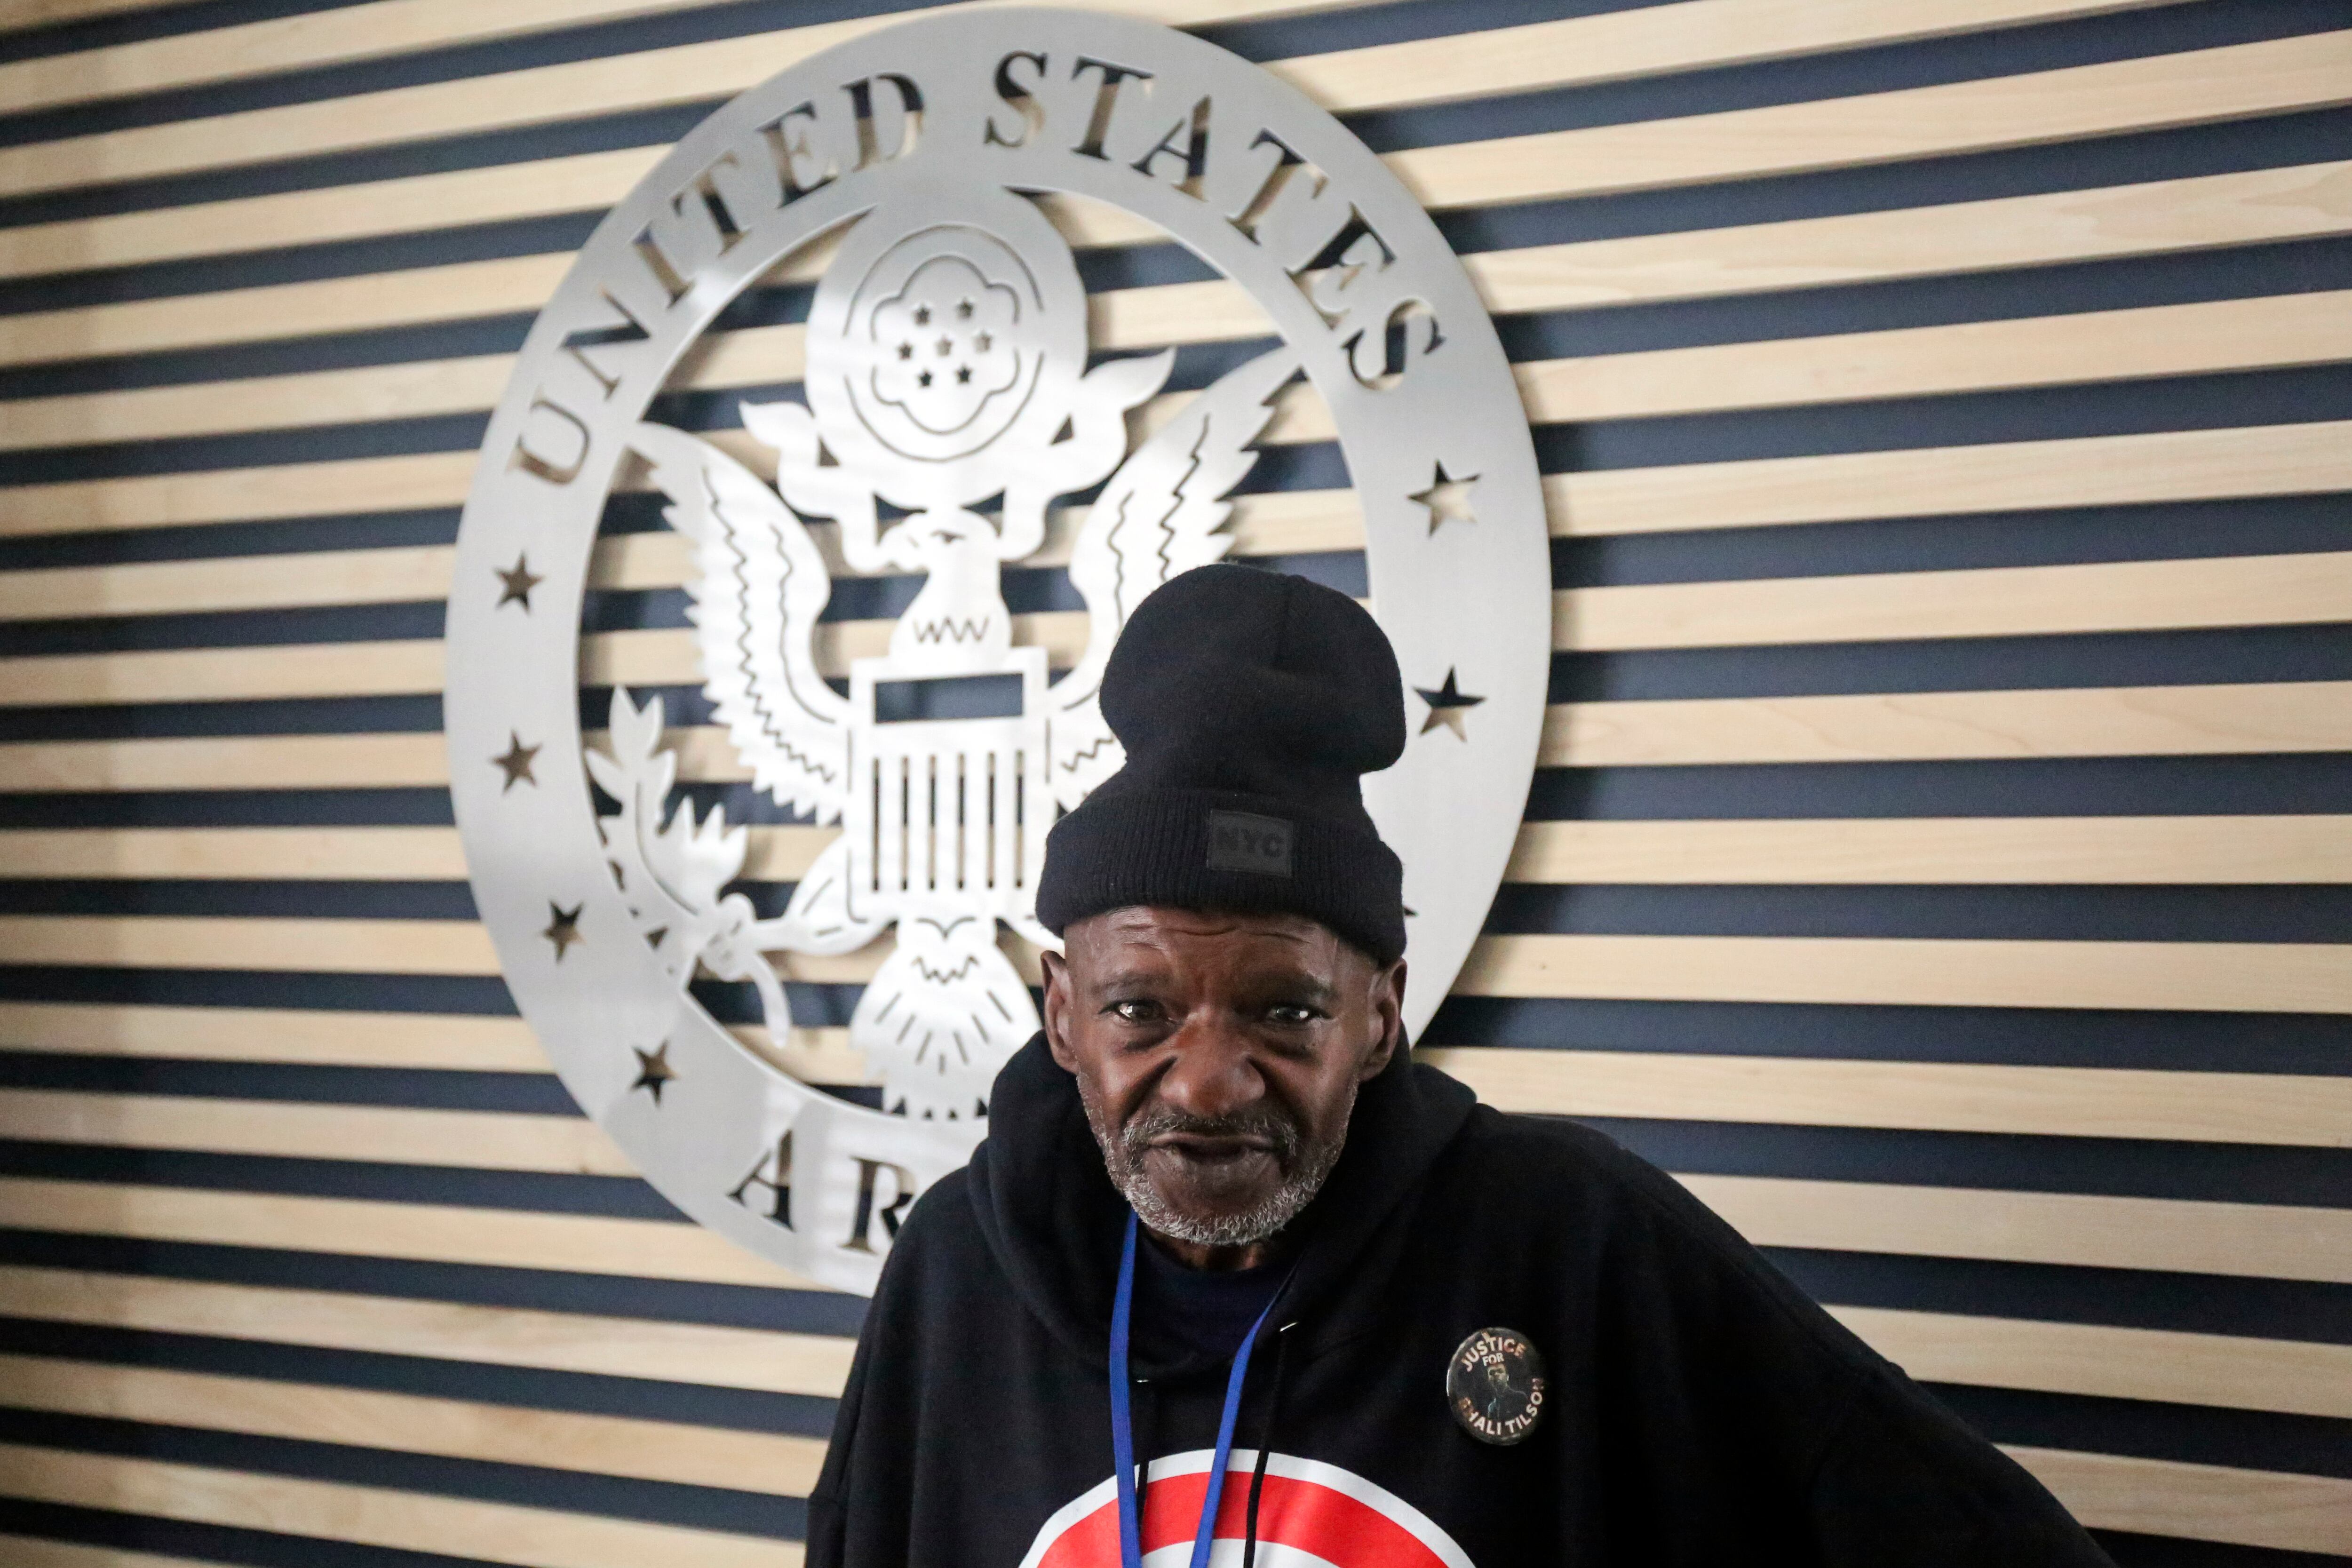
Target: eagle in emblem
948	406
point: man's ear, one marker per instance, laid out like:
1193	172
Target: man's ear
1057	1006
1388	1016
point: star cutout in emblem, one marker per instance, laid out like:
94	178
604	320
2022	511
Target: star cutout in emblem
516	763
1447	499
653	1069
520	580
1446	706
563	927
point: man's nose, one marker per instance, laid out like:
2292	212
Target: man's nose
1212	1073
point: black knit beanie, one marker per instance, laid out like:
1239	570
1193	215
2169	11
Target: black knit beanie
1250	705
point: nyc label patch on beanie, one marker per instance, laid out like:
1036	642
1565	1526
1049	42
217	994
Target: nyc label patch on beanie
1245	841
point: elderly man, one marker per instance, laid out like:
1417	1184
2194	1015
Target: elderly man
1232	1280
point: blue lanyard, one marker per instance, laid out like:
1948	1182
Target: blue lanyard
1122	1427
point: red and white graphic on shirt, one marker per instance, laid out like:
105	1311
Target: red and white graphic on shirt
1309	1515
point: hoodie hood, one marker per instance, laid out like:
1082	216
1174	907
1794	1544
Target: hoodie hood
1049	1214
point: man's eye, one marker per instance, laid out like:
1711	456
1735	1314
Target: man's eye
1136	1012
1293	1015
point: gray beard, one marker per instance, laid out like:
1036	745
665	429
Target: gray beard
1305	1168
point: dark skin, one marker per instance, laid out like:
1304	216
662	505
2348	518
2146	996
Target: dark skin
1219	1015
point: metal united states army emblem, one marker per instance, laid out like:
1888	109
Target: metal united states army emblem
950	412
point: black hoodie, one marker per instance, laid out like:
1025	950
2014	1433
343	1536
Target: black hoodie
1699	1410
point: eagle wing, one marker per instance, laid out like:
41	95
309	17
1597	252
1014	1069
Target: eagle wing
760	584
1163	512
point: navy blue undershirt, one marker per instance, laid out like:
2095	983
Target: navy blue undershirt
1183	1313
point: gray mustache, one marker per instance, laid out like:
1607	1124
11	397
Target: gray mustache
1136	1137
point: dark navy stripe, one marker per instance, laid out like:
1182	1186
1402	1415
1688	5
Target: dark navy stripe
23	1065
2219	655
553	1290
2093	1037
2250	1439
101	985
699	1404
2286	784
245	899
172	19
2131	1551
570	1491
2123	1297
612	1197
231	808
215	541
2111	1167
2261	525
1847	73
416	714
2258	914
207	1542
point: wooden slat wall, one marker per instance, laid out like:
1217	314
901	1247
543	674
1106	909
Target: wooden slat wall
1940	858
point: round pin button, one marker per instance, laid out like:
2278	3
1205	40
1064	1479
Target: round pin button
1495	1387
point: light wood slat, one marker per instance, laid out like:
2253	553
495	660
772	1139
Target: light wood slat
16	15
2170	465
463	291
2251	1240
373	209
273	945
1972	850
2206	338
2197	213
2102	596
2192	87
401	574
1953	850
1950	726
399	1135
238	762
2202	1502
503	1238
1271	523
24	1551
2203	338
336	854
765	1360
285	945
777	854
1722	32
2177	1235
537	95
1919	972
1989	602
373	1515
2157	92
415	482
2255	977
446	1040
412	666
2296	1377
2007	476
411	1040
2134	1363
1931	726
1999	601
1556	53
761	1462
2301	1110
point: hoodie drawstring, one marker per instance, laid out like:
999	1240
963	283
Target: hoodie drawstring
1266	1444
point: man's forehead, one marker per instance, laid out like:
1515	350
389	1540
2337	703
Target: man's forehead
1159	927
